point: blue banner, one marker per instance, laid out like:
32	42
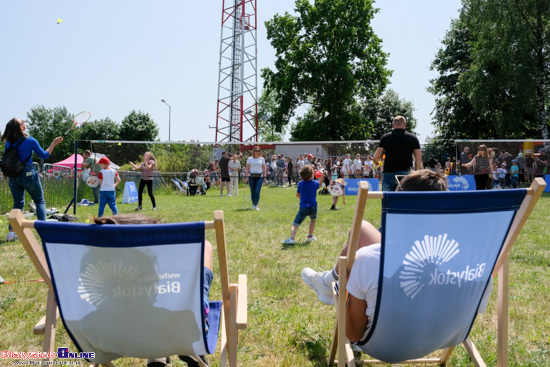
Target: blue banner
461	183
547	178
130	194
352	187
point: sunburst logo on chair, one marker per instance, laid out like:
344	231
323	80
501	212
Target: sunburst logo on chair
432	250
99	280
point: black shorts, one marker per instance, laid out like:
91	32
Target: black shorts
225	179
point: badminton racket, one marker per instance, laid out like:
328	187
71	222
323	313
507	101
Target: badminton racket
81	118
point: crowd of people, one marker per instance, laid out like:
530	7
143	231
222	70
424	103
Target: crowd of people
500	169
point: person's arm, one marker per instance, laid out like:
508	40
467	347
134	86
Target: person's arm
247	172
356	318
54	143
84	165
469	164
265	172
344	195
148	165
117	180
100	176
137	168
378	155
417	159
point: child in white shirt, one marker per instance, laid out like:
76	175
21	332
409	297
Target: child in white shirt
109	180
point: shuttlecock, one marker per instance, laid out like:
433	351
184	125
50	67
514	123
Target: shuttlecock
59	20
87	221
119	143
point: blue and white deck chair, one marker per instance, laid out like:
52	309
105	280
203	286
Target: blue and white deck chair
181	186
135	290
438	253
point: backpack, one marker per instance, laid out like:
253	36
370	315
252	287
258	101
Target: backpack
10	163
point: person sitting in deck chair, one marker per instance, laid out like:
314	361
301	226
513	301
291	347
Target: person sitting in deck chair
363	280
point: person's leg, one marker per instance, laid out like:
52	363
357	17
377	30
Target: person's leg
18	194
228	185
34	188
321	282
300	216
312	212
388	181
221	186
150	192
252	184
112	202
102	203
334	202
312	227
232	188
95	190
255	188
142	184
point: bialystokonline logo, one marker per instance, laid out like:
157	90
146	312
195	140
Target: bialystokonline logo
105	280
62	353
436	250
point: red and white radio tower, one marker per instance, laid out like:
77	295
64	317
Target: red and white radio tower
237	112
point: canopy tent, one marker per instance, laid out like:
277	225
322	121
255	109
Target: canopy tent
69	162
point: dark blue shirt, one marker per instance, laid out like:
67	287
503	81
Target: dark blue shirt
308	193
26	148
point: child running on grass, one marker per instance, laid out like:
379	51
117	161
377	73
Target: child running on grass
109	180
307	193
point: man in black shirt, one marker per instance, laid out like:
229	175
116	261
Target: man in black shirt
399	146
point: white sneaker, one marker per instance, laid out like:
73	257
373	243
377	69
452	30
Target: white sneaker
253	207
229	195
11	236
288	241
315	281
256	207
311	238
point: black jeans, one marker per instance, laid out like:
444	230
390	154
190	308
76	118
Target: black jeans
149	184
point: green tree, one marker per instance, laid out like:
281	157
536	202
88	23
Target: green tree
138	126
45	124
328	57
494	71
267	129
502	79
103	129
383	109
454	116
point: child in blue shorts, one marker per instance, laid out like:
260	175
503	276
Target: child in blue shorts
307	193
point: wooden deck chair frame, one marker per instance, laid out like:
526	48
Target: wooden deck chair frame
341	345
234	296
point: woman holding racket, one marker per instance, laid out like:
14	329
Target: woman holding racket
29	181
147	169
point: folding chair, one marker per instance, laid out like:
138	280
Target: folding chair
437	255
135	290
180	185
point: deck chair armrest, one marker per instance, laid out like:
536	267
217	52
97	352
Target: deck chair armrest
242	302
40	326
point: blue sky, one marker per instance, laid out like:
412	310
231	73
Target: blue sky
113	56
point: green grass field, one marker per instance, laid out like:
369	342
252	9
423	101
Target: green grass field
288	326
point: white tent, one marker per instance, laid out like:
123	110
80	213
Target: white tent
113	165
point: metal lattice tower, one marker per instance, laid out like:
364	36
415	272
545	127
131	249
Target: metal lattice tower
237	110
